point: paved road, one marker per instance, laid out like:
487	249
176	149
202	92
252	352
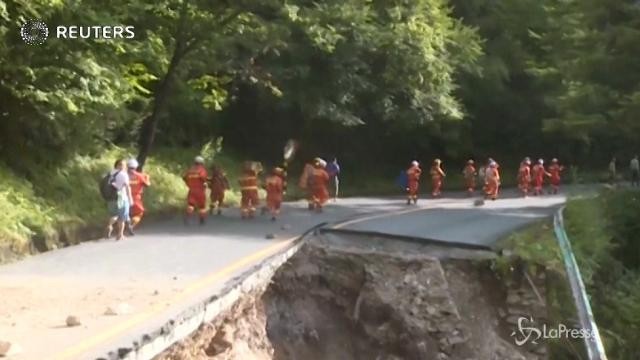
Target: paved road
167	267
459	221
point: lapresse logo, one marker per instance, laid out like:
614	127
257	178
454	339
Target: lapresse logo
36	32
528	332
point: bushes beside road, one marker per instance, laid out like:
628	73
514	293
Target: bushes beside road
603	231
58	202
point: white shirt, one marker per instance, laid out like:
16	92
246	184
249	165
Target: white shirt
634	165
120	180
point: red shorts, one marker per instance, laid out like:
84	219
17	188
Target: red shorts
249	199
413	188
137	209
320	195
274	202
197	199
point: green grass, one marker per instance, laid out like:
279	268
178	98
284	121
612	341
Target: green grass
68	197
23	213
535	244
603	233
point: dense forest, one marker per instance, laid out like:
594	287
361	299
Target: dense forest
399	79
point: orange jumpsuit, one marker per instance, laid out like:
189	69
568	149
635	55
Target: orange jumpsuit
524	178
249	190
538	172
554	171
138	181
493	182
304	182
436	179
274	185
469	174
320	194
196	180
218	183
413	182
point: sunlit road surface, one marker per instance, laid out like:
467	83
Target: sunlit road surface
167	267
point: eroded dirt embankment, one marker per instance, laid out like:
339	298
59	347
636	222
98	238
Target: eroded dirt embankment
342	298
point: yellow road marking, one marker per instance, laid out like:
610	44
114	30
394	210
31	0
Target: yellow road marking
371	217
118	329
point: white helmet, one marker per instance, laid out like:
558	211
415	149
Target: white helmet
198	160
132	163
540	161
414	163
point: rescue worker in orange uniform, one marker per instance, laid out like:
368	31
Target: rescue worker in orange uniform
469	174
196	180
138	181
538	173
413	182
319	181
274	184
554	172
249	190
486	170
493	181
524	176
218	183
437	175
305	183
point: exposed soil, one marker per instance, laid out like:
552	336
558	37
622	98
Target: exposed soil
342	298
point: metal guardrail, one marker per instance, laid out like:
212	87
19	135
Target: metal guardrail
595	349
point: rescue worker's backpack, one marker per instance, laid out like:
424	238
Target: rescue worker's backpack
402	180
108	192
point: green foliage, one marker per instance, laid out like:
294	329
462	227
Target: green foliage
623	208
69	195
602	231
376	59
62	96
23	212
585	64
587	225
211	149
535	245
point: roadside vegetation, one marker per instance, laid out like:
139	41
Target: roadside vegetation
66	199
603	231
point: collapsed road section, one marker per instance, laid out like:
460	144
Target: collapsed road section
350	296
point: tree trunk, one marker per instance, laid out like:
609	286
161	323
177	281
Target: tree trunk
183	46
150	123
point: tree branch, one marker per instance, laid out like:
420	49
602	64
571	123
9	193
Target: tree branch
190	44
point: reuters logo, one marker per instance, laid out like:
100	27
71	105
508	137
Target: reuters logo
34	32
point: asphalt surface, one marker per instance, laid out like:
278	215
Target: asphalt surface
167	267
462	222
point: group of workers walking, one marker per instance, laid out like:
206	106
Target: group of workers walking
123	189
314	180
124	186
529	178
